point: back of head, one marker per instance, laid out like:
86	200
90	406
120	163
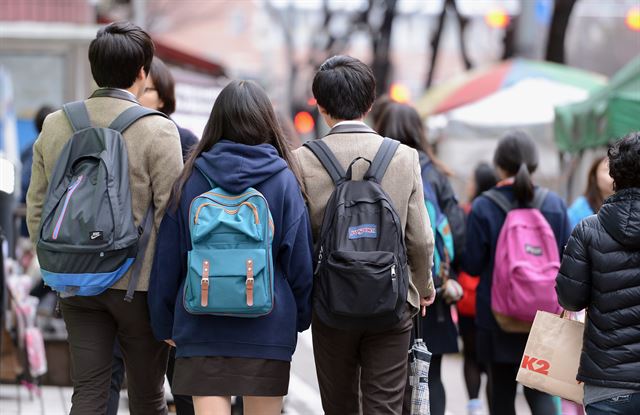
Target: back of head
624	162
243	114
378	108
402	122
345	87
42	113
484	177
117	54
517	156
165	85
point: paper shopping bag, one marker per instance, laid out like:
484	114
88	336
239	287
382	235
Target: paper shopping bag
552	356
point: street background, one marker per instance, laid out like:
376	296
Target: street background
566	71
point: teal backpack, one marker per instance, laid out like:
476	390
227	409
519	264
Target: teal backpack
230	266
443	252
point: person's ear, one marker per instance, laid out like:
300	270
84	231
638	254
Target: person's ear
322	111
142	75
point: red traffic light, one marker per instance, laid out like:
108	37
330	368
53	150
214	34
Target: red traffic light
304	122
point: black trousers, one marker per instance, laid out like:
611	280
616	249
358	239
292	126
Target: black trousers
366	365
93	323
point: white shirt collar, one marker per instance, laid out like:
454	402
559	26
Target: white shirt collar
350	122
124	90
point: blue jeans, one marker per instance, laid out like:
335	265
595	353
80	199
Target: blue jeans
620	405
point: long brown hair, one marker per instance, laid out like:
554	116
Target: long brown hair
243	114
403	123
592	192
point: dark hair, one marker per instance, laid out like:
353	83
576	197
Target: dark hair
403	123
117	54
242	113
344	87
592	192
484	177
378	108
517	155
42	113
624	159
164	84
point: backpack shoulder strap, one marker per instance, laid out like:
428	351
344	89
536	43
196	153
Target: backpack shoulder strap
539	196
382	159
78	115
131	115
499	199
328	160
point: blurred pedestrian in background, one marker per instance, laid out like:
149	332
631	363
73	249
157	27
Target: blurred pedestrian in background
484	178
601	272
515	159
402	122
599	187
159	94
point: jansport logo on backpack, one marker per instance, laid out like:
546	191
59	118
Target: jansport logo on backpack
230	266
361	273
88	239
526	265
444	253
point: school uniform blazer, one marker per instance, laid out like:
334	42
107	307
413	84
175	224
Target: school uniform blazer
155	162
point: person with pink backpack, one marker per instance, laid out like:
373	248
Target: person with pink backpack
515	236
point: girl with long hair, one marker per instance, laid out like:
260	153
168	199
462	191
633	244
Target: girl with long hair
217	356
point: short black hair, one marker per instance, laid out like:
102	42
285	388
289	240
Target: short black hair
117	54
42	113
345	87
624	159
165	85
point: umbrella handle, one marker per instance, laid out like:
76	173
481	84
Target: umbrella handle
417	326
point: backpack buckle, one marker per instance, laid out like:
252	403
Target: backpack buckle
204	284
249	283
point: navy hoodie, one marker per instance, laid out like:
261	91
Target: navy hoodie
235	167
483	228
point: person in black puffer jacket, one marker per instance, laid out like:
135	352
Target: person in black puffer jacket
601	272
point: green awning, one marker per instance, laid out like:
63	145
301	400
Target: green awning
609	113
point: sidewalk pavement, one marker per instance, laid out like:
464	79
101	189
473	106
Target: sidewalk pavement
303	398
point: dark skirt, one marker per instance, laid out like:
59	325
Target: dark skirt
438	329
497	346
230	376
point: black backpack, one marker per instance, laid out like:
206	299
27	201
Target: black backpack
361	272
88	239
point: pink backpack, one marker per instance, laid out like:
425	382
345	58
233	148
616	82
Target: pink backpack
526	265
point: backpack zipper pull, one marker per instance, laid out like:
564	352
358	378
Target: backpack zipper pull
394	279
320	255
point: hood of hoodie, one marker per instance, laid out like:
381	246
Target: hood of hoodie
620	216
235	167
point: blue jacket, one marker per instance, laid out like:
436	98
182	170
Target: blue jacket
235	167
579	210
483	228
